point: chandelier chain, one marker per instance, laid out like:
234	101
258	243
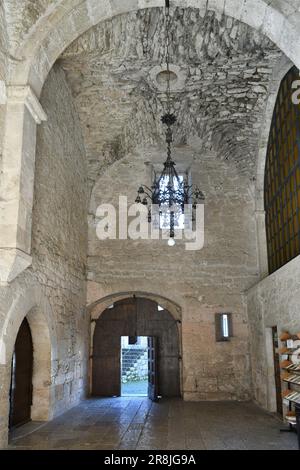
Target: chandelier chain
168	23
170	192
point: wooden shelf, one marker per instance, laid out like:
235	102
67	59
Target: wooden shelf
295	368
294	379
290	352
293	397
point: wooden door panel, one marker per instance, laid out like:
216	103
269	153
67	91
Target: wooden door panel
135	317
106	360
277	369
106	376
168	384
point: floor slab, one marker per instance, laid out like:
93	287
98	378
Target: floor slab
137	423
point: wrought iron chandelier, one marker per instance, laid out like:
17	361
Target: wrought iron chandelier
169	192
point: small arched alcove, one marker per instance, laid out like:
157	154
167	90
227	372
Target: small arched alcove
29	358
135	316
21	378
29	324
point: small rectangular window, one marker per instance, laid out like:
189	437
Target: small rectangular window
223	323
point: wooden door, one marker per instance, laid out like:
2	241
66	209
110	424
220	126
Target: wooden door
21	377
277	370
113	323
152	369
135	317
161	325
106	366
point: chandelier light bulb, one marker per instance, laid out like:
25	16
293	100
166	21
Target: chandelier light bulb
171	242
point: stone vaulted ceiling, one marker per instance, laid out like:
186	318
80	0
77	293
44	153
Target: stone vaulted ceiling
23	15
224	71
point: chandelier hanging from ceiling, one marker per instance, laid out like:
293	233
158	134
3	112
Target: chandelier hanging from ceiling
169	192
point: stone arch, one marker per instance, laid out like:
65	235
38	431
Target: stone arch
33	306
34	58
282	68
98	307
54	32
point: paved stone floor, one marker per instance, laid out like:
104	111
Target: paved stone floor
139	388
126	423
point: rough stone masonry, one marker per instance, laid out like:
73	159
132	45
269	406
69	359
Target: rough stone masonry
103	100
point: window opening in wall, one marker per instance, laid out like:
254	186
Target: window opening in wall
282	178
223	323
225	327
134	366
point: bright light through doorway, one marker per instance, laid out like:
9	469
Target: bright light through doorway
134	366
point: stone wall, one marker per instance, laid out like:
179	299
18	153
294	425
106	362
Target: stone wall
55	284
2	120
3	71
3	42
272	302
59	233
22	16
202	282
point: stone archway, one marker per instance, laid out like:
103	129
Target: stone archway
51	35
36	309
99	309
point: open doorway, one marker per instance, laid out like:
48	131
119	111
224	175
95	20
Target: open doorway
135	318
134	366
277	369
21	378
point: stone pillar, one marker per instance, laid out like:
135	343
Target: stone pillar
23	113
4	404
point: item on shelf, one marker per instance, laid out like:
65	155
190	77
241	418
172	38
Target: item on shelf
293	367
285	335
285	364
294	379
291	419
290	363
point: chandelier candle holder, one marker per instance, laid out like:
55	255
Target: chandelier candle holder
169	193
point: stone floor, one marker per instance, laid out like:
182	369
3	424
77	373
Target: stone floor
138	388
126	423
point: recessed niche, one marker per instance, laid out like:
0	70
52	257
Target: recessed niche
162	77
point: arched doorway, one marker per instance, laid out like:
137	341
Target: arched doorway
135	317
21	378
